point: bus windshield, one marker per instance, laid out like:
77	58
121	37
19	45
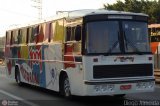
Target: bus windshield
103	35
117	37
135	36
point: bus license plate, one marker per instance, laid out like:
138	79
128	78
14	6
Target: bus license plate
125	87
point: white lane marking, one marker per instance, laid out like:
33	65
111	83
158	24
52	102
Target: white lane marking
18	98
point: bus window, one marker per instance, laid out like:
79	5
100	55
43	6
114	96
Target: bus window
19	36
8	36
35	31
68	33
73	33
59	31
15	37
27	36
72	37
78	34
48	32
30	35
24	34
53	30
11	39
155	38
40	34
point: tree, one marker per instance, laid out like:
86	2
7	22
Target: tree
152	8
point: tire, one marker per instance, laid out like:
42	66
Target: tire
65	87
17	77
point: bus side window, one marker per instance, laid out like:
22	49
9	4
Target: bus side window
68	33
59	31
24	34
27	36
78	34
155	38
47	32
30	35
73	33
8	38
72	38
15	37
8	34
11	39
40	33
34	32
19	37
53	31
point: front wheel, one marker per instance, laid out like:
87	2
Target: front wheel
66	90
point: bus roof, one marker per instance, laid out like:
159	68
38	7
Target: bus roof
76	14
154	26
86	12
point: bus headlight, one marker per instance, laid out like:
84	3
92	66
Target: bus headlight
104	88
144	85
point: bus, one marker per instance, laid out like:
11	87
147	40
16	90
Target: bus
154	33
91	52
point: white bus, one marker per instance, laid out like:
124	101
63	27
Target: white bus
84	53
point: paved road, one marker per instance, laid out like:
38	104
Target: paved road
27	95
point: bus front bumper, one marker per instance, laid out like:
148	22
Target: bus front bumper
97	88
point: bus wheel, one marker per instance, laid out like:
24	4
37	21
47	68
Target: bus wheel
18	78
66	91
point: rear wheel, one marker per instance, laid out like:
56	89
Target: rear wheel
17	77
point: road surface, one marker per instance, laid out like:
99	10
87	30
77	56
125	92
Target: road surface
26	95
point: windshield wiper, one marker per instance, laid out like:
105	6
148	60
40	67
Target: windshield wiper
112	48
127	41
114	45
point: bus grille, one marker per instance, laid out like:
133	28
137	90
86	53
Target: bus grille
116	71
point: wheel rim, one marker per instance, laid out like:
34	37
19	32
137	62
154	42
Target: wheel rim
66	87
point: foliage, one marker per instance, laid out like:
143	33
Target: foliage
152	8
